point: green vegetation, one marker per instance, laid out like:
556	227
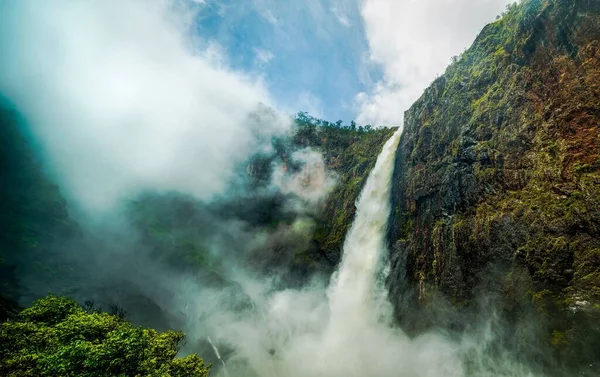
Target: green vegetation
172	226
351	152
504	149
177	228
33	214
57	337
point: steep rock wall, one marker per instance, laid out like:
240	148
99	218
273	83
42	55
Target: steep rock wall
497	179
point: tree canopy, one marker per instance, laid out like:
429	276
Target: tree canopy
57	337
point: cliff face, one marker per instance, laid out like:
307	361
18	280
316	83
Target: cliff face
497	179
348	155
351	154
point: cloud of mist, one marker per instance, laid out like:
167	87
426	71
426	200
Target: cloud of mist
121	100
311	183
413	42
268	332
344	328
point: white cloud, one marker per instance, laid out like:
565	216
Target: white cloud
263	57
307	101
120	101
413	41
341	17
270	17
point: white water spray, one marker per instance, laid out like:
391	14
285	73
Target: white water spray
345	330
355	288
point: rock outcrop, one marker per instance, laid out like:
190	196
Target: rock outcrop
497	181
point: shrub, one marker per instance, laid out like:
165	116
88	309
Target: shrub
57	337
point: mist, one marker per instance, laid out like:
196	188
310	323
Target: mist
126	110
121	100
345	327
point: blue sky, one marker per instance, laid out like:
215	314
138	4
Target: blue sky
312	58
344	59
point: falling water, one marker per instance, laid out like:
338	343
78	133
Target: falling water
355	288
350	333
218	354
359	308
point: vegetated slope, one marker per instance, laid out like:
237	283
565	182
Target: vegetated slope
33	214
176	228
497	181
350	152
56	336
173	228
297	242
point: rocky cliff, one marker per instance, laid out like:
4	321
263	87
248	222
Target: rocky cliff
497	179
351	154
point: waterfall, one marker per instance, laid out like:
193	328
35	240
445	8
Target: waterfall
348	334
345	330
355	339
357	287
218	354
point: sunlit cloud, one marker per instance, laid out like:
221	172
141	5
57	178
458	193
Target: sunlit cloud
413	42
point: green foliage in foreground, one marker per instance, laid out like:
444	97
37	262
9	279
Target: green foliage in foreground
56	337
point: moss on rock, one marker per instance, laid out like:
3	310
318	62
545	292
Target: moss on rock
498	170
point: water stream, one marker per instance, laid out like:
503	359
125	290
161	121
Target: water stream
345	329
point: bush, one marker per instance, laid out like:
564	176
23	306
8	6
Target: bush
57	337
